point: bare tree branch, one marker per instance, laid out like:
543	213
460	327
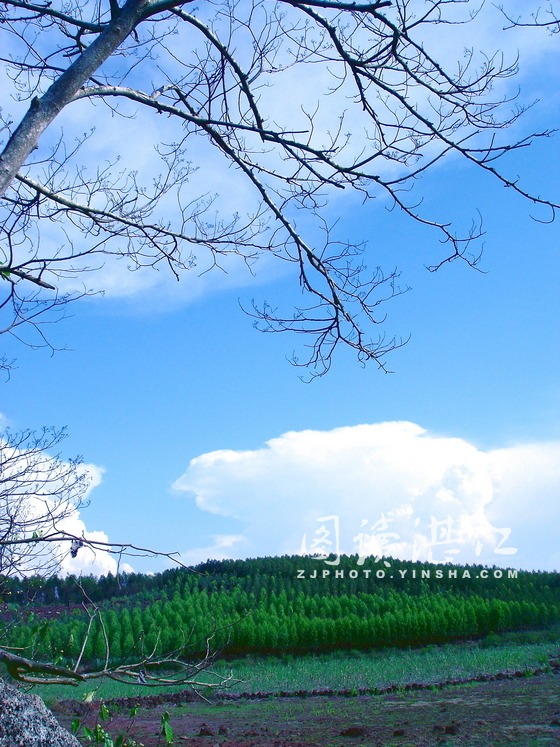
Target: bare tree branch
387	106
546	16
39	493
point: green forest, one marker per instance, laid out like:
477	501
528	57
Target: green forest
272	605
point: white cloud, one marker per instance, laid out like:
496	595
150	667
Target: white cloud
43	495
87	561
392	488
526	479
220	549
160	288
304	87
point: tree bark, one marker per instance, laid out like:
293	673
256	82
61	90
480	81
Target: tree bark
45	109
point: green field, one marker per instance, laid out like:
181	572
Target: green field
346	671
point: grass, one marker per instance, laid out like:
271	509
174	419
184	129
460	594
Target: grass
381	669
344	670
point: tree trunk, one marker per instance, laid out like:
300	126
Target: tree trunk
44	110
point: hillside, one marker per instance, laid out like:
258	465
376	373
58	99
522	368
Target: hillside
276	604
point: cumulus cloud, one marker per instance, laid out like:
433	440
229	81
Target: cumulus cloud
385	489
526	479
87	561
41	496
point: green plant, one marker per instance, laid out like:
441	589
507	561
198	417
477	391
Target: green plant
166	729
99	735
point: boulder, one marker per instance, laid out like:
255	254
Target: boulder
25	721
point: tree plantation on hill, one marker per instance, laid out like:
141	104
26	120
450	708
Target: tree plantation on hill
261	606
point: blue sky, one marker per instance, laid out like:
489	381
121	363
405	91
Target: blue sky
185	407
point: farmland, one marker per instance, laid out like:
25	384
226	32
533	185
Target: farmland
410	656
348	671
504	704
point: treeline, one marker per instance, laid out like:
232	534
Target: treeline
271	605
276	574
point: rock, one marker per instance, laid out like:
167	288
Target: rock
353	731
25	721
